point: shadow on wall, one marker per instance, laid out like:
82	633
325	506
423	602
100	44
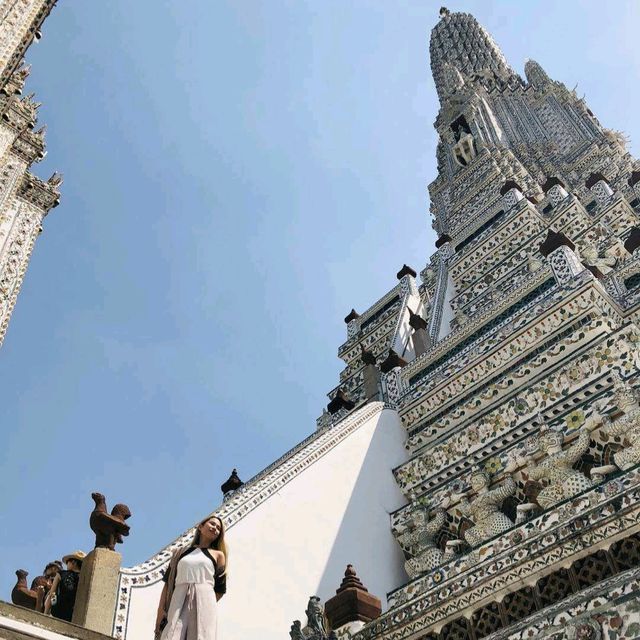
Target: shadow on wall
364	538
298	541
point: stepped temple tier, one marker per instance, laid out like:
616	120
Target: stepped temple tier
477	468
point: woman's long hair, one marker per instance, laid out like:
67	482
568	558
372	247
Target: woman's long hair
219	543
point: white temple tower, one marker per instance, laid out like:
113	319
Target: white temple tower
512	369
24	199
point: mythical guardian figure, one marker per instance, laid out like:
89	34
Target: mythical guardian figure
485	511
603	261
418	540
556	467
627	426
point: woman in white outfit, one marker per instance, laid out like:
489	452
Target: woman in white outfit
193	583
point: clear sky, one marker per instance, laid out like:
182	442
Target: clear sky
238	175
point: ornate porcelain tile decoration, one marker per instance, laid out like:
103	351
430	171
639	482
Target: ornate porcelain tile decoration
525	553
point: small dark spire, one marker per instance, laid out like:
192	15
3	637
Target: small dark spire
443	239
553	241
392	361
367	356
341	401
444	12
406	271
353	314
633	241
352	602
351	580
233	483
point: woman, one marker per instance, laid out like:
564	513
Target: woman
193	583
62	595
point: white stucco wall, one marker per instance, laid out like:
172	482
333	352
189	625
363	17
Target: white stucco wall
298	542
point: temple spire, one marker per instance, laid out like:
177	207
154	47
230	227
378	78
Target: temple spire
460	48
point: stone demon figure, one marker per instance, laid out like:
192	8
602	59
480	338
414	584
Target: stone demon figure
485	511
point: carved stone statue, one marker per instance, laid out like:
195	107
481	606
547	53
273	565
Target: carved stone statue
594	258
534	264
464	151
315	618
109	528
418	542
55	180
295	633
556	467
627	426
26	597
485	511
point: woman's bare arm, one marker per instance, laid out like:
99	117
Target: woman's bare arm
52	591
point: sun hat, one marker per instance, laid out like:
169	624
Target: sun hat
76	555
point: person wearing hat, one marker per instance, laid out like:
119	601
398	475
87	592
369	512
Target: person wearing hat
62	595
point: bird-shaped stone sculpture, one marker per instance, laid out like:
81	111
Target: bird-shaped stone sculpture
109	528
21	594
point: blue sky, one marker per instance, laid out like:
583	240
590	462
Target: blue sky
238	175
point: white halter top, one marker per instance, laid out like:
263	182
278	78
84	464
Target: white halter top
196	568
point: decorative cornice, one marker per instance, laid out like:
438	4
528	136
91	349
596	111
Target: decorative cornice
363	317
19	114
30	146
510	417
16	82
44	195
542	532
32	33
454	338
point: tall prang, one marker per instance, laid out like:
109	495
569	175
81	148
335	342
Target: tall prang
24	199
514	366
479	460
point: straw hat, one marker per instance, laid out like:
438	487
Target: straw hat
76	555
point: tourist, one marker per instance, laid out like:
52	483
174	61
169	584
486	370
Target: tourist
49	574
52	570
62	595
193	583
